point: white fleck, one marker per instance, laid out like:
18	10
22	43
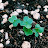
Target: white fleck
0	1
46	6
6	35
14	13
5	16
7	42
2	30
36	15
37	10
4	21
26	44
1	45
27	3
41	21
10	26
1	6
19	10
1	40
25	11
40	34
46	16
21	32
38	6
6	3
32	12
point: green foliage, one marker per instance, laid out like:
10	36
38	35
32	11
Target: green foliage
37	30
27	31
27	22
14	20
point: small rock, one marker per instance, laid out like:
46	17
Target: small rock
37	10
6	3
19	10
1	45
36	15
25	11
26	44
40	34
38	6
10	26
4	21
14	13
6	35
41	21
46	16
7	42
0	1
1	6
2	30
5	16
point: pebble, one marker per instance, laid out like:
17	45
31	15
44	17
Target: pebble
36	15
46	6
37	10
6	3
38	6
1	45
26	44
19	10
46	16
32	12
5	16
40	34
14	13
0	1
25	11
41	21
4	21
1	6
6	35
10	26
2	30
21	32
7	42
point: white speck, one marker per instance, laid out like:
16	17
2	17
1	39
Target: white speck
1	6
4	21
32	12
21	32
1	45
38	6
0	1
36	15
13	0
26	44
2	30
37	10
19	10
27	4
40	34
41	21
1	40
46	16
6	35
5	16
10	26
14	13
46	6
25	11
6	3
22	5
7	42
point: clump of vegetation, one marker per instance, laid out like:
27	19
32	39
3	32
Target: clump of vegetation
27	24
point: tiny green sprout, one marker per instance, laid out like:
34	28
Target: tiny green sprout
13	19
37	30
27	31
27	22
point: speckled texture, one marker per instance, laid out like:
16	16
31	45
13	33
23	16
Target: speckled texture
14	36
